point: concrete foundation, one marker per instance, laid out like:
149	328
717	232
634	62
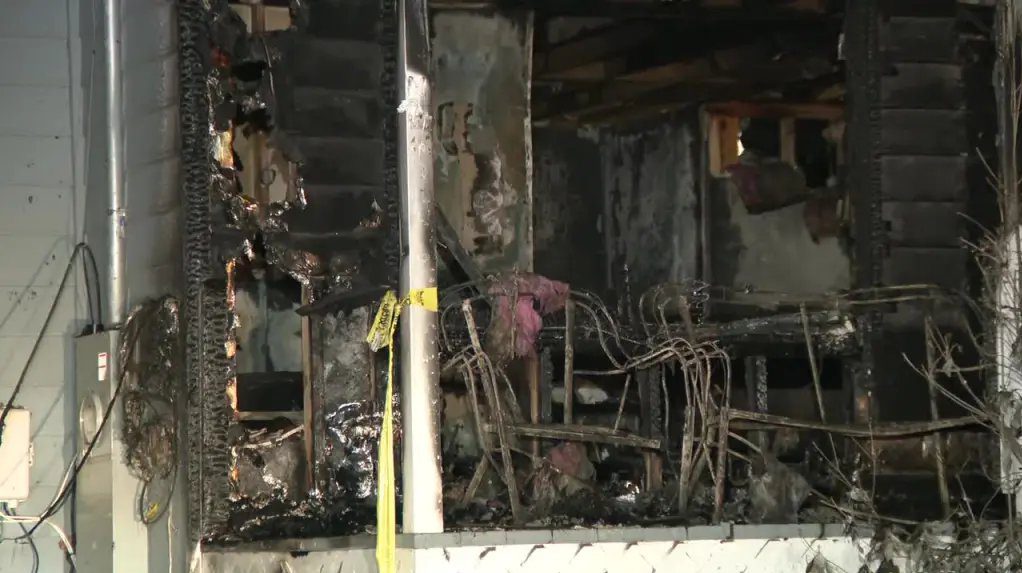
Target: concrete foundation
724	548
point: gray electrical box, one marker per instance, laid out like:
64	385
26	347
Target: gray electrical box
111	537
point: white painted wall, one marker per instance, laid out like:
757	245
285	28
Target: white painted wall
711	549
52	195
41	194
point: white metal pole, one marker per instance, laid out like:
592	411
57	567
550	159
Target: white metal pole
420	472
115	163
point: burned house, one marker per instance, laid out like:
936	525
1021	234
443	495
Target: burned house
689	253
524	280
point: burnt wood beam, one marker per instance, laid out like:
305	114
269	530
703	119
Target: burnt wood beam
776	110
706	60
626	50
722	76
591	49
750	9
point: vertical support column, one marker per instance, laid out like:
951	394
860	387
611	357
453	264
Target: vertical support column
420	473
756	388
546	386
569	362
309	401
1007	322
651	413
115	163
861	32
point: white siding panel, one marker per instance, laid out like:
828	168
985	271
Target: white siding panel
44	161
154	136
47	406
37	261
152	85
48	368
39	110
148	31
48	464
160	180
18	556
37	232
33	62
22	311
34	19
35	211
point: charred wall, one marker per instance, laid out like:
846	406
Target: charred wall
568	191
651	206
290	164
482	70
618	206
772	251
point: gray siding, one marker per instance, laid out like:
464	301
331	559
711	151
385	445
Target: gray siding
53	189
152	148
151	138
39	224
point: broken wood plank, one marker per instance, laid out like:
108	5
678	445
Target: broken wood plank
788	141
723	143
310	404
756	420
546	386
591	47
493	394
533	375
651	417
477	480
778	109
575	433
569	361
453	253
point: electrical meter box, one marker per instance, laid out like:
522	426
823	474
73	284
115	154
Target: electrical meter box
15	456
111	539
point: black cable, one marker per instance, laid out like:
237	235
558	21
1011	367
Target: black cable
31	541
73	518
91	327
97	320
39	338
62	497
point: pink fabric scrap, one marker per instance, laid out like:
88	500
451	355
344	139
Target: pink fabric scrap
551	297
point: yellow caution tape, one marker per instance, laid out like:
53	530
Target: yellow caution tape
381	335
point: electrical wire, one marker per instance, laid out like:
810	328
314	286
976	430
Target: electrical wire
22	520
7	511
133	330
80	247
97	319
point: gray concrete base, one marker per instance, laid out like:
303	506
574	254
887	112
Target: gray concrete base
724	548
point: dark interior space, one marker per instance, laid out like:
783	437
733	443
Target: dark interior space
695	258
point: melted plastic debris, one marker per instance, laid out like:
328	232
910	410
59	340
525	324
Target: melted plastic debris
345	269
777	493
301	201
354	431
269	464
300	265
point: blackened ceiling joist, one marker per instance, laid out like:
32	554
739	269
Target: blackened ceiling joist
762	9
729	61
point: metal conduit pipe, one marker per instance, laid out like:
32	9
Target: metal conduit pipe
115	163
420	477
